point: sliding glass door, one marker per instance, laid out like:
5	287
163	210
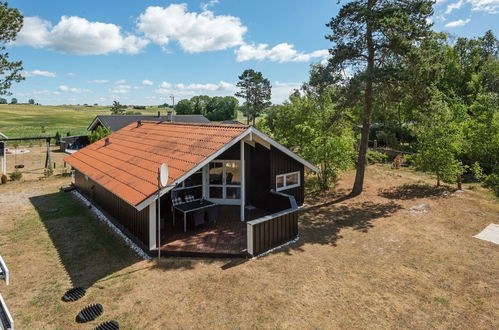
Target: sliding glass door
224	181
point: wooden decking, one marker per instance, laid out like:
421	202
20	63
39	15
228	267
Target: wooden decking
225	238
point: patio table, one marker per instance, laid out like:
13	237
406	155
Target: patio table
192	207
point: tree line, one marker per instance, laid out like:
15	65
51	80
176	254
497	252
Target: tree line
391	78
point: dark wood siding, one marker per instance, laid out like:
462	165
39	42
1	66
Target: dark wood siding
233	153
280	163
258	175
132	222
273	232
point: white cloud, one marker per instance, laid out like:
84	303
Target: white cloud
459	22
222	86
39	92
98	81
489	6
120	82
122	89
78	36
65	88
39	73
455	5
281	91
71	74
282	52
186	90
147	82
206	5
195	32
165	84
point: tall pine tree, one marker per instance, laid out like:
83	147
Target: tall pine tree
368	36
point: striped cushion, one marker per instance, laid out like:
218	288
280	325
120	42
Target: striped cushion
177	201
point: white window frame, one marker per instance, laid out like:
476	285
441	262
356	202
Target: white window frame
224	200
285	187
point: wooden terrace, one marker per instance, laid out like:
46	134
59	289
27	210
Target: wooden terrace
226	238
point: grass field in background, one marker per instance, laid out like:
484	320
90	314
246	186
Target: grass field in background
23	120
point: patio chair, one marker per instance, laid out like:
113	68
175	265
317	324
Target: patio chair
212	214
197	218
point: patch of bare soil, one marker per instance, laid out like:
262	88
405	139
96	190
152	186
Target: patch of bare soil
364	262
34	162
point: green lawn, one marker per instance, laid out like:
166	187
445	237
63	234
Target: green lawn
23	120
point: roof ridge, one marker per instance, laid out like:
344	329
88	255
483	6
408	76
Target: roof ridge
241	126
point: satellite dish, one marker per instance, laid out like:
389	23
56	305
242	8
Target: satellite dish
163	175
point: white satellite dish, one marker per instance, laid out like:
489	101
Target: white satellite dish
163	175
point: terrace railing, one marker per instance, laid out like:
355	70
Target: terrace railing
275	229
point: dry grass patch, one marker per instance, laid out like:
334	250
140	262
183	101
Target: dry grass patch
365	262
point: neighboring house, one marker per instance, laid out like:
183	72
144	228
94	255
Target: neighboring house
231	121
116	122
71	144
231	190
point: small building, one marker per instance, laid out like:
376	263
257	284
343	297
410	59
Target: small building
70	144
117	122
231	190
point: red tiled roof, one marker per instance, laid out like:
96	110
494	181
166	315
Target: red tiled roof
128	166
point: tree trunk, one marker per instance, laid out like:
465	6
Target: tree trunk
438	180
459	183
366	115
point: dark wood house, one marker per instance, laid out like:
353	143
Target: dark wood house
117	122
231	190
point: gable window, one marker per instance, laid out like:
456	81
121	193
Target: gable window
224	181
287	181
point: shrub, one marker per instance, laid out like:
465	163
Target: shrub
492	182
16	175
4	179
374	157
477	172
57	138
48	172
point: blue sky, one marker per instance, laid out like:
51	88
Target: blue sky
141	52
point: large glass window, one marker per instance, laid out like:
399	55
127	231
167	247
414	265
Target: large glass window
225	180
216	173
287	181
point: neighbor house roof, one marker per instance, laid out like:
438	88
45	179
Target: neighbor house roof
127	166
230	121
116	122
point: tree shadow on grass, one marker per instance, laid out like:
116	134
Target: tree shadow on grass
322	224
415	191
89	250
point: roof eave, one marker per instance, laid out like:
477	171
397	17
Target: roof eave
248	131
93	123
196	168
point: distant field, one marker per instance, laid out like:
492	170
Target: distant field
22	120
